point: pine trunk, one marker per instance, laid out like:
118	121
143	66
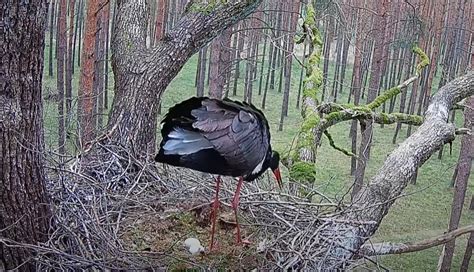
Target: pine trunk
86	110
201	71
357	80
327	51
106	57
69	62
51	35
160	20
61	65
460	186
375	76
240	47
99	67
293	20
24	209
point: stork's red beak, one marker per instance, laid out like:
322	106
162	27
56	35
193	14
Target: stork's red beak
277	174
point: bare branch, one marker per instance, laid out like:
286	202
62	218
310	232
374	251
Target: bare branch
398	248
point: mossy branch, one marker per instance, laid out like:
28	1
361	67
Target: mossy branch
337	113
305	150
333	145
388	94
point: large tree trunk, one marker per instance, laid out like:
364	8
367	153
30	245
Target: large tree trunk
142	75
24	210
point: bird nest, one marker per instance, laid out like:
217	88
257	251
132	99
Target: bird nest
118	212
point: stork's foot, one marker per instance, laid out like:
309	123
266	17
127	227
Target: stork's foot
242	242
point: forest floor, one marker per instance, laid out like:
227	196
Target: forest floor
422	212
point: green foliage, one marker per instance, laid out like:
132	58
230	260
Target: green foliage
303	172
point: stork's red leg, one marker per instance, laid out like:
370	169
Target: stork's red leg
235	205
215	209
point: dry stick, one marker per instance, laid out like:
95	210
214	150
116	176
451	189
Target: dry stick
386	248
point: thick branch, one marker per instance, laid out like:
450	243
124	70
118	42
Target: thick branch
373	201
142	74
200	23
398	248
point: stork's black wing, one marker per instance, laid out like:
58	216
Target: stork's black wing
238	132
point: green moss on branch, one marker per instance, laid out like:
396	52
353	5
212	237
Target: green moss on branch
303	172
424	60
333	145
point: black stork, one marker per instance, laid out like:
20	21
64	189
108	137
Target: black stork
221	137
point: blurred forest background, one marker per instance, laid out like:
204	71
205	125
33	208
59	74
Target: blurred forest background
366	49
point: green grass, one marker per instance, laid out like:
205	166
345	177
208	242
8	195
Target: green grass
422	213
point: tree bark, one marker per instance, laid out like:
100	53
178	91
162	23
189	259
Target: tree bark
106	58
61	67
460	186
160	20
24	209
99	66
215	84
81	24
86	99
51	35
219	64
142	74
69	62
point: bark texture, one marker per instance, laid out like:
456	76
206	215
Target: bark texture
86	100
142	74
24	213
